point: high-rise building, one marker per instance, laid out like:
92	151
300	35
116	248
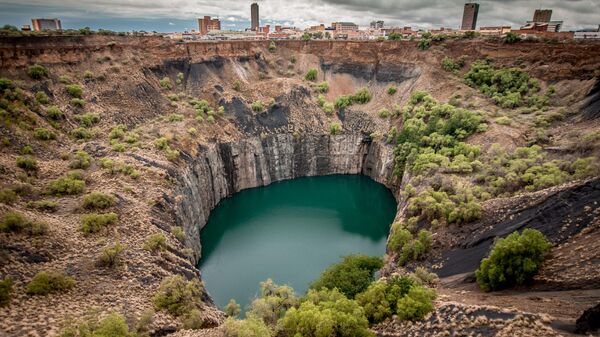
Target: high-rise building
377	24
469	21
207	24
45	24
254	16
542	15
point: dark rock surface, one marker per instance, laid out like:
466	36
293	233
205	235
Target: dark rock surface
589	321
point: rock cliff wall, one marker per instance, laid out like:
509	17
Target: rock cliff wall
220	170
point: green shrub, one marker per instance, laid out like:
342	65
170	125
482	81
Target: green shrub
175	118
77	102
504	120
325	313
117	132
335	128
12	222
46	282
448	64
54	113
380	299
232	309
7	196
111	325
82	160
180	78
5	83
322	87
88	75
110	255
272	47
94	222
43	205
165	83
311	74
511	38
384	113
74	90
237	86
27	163
407	247
342	101
26	150
81	133
178	233
15	222
98	200
193	320
272	303
41	97
64	79
416	304
249	327
88	119
362	96
321	100
514	260
424	44
155	242
37	71
392	90
5	292
351	276
257	106
43	134
178	296
328	108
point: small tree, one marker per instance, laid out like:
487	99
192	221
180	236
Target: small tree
232	309
511	38
514	260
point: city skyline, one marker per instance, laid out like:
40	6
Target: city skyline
234	14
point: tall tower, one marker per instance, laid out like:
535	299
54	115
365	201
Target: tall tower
542	15
254	16
469	21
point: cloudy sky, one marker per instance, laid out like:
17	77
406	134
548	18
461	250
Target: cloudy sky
178	15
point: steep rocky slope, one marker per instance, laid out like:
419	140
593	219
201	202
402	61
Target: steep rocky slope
171	164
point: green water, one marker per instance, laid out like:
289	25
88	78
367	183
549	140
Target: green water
290	231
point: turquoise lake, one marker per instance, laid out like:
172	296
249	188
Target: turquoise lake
290	231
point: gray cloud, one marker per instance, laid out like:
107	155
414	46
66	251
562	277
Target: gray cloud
418	13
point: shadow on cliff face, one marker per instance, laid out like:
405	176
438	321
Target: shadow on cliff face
591	107
553	216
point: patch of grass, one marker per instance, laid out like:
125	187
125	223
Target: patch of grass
504	120
43	134
17	223
54	113
82	161
93	223
77	102
74	90
155	242
98	201
392	90
110	255
8	196
67	185
175	118
65	79
322	87
27	163
81	133
6	288
88	119
335	128
42	98
46	282
43	205
37	71
311	74
257	106
178	233
384	113
165	83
